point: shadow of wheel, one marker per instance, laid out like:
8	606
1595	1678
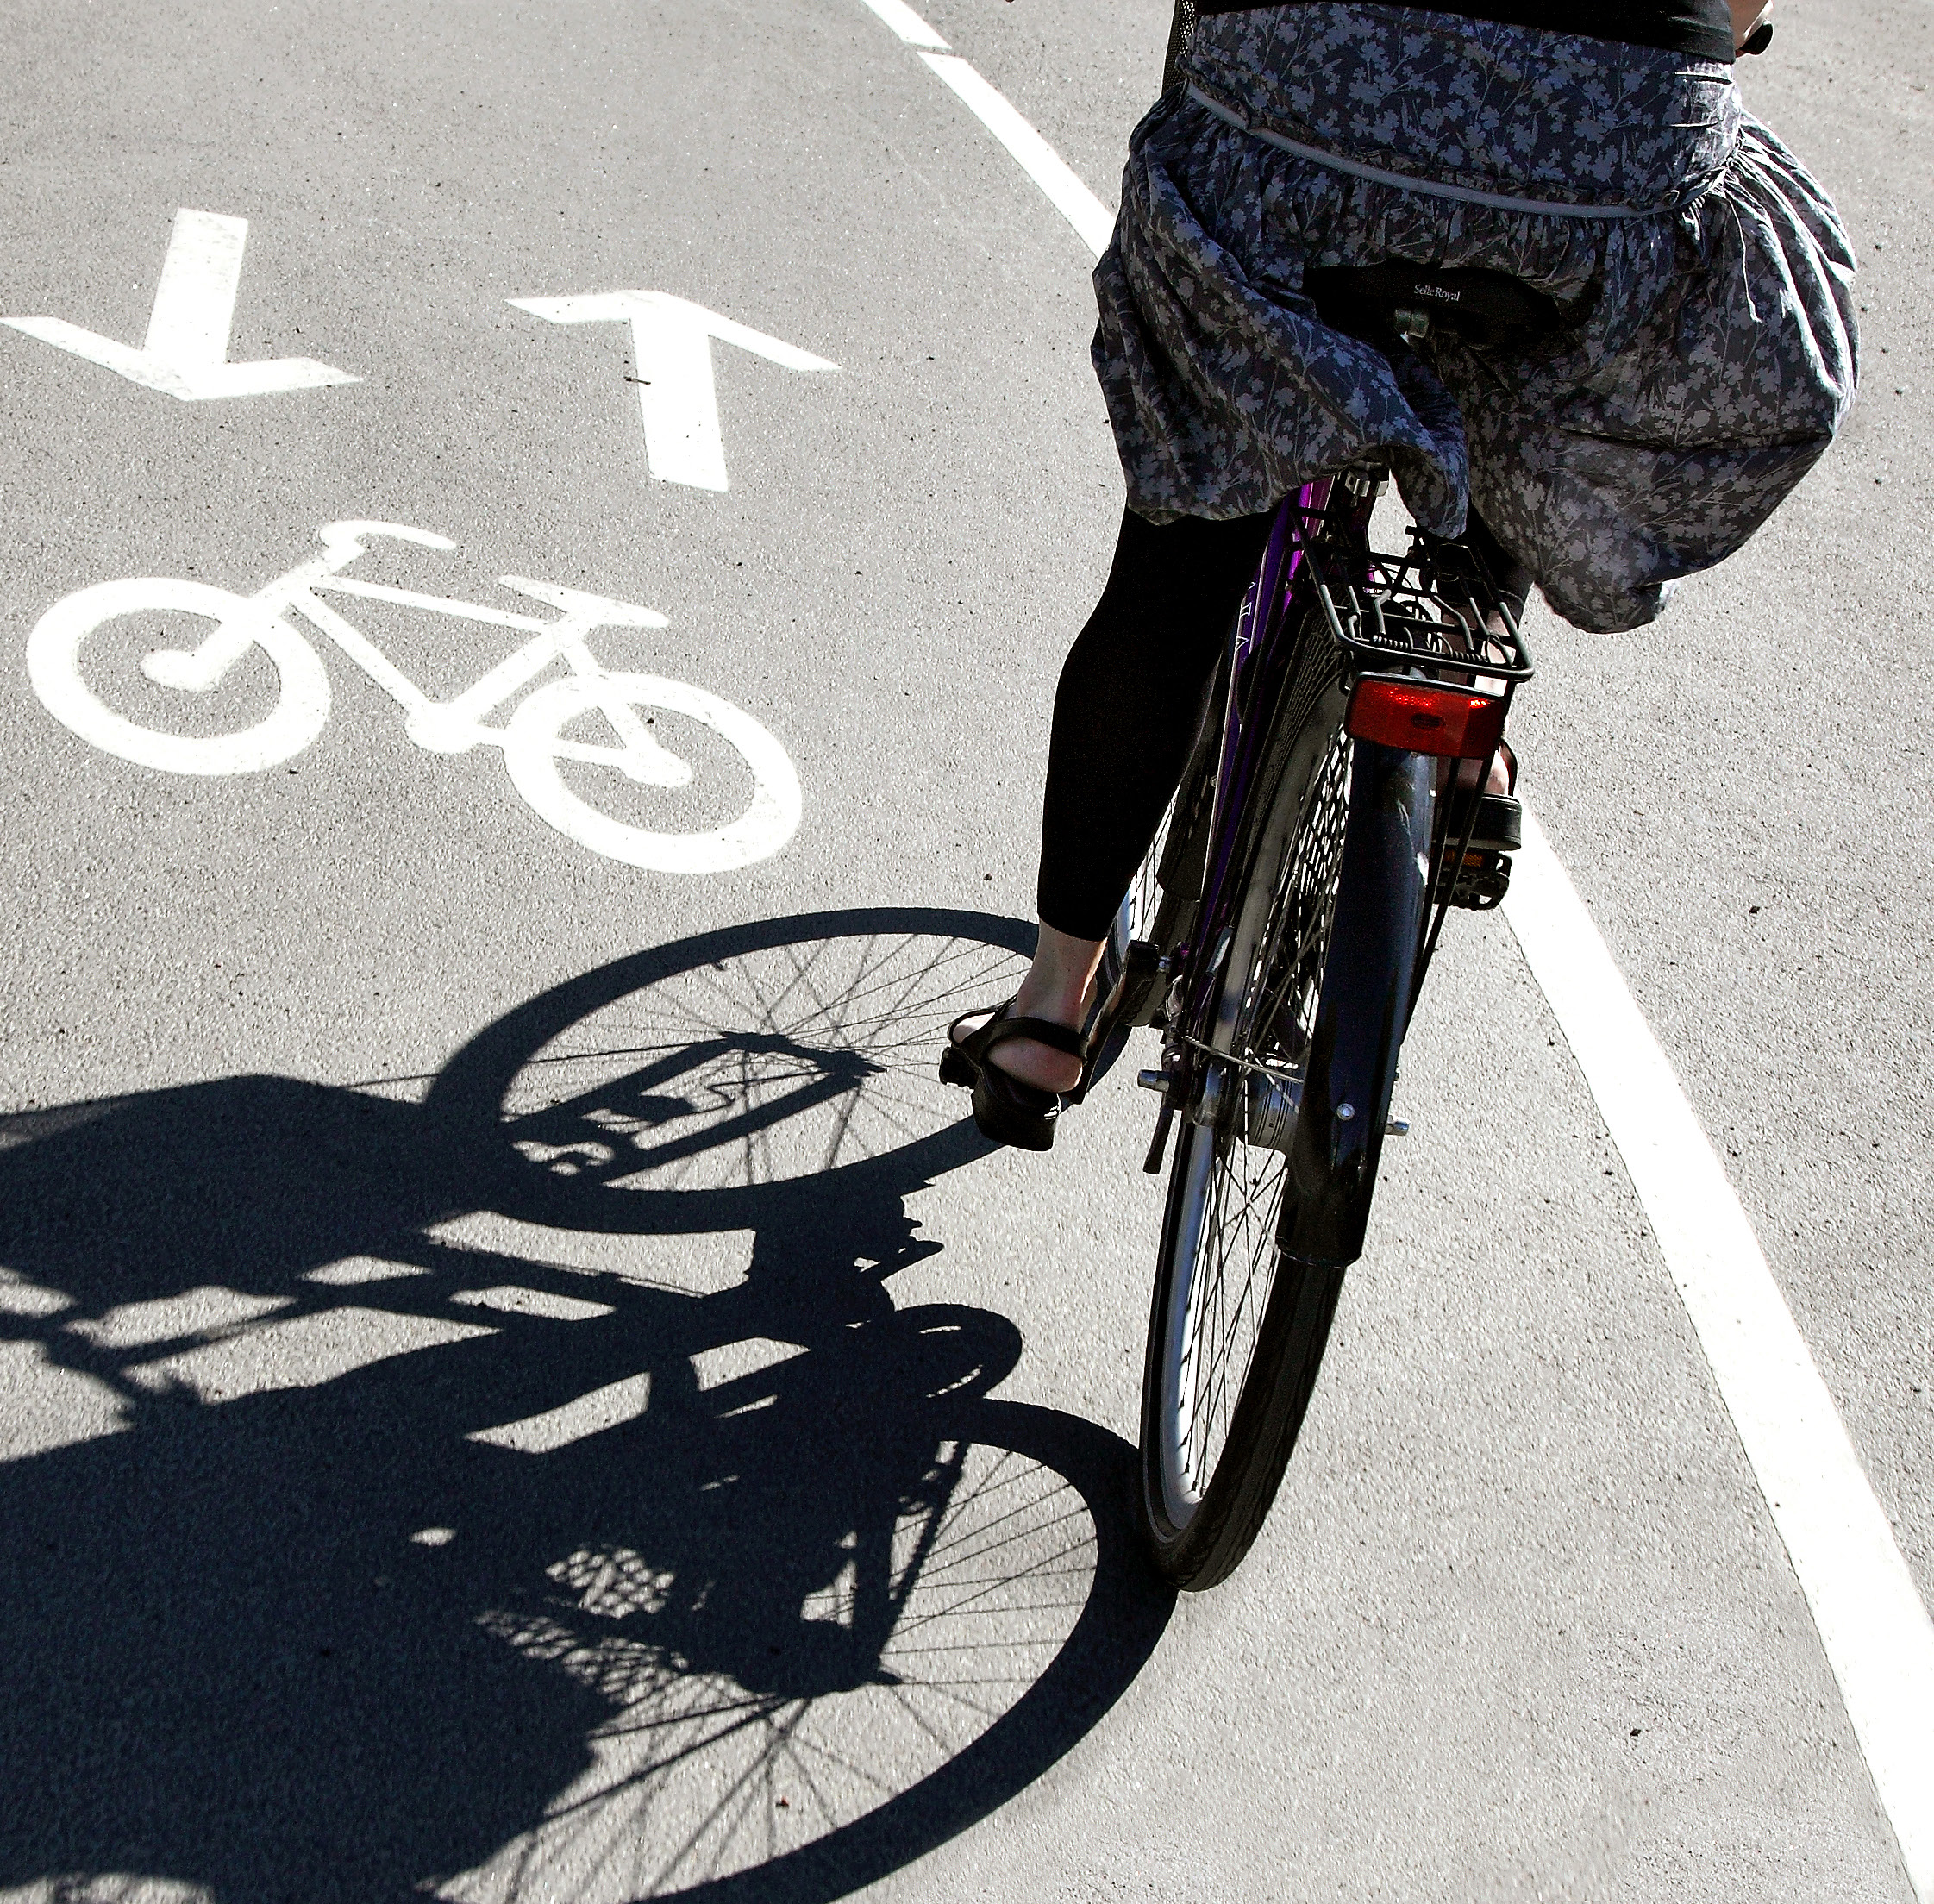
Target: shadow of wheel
1021	1611
776	1076
676	1089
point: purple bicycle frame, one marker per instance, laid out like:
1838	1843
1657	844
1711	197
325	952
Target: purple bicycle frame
1380	903
1259	658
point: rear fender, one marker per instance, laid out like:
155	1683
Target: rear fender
1364	1006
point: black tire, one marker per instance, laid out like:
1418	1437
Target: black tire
1219	1427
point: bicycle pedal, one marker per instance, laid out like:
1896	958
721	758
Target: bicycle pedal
1478	885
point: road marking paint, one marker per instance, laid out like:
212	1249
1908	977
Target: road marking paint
607	1408
53	666
1876	1632
535	750
908	24
1874	1628
1092	221
672	340
195	300
185	352
545	731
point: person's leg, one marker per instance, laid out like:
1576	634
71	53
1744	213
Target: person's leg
1125	713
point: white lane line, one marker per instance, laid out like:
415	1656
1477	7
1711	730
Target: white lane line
908	24
1877	1634
1091	218
1094	224
1874	1628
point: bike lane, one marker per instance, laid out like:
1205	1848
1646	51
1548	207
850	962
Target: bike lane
521	439
372	916
1865	1604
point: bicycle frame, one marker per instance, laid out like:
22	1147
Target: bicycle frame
1391	893
1260	661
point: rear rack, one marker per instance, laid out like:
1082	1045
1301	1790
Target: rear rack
1418	617
1425	608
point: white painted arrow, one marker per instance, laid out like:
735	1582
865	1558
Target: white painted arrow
186	350
672	340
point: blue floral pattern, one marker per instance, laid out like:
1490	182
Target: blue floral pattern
1710	354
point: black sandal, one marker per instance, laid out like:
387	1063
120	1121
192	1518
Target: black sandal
1005	1108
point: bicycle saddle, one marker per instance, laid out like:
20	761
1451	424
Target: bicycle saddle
1377	302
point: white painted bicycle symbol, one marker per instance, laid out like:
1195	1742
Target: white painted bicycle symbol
535	745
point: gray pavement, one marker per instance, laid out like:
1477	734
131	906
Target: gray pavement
390	1508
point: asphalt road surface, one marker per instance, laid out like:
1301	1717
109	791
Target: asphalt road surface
515	1383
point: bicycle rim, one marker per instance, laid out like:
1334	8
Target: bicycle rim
1237	1330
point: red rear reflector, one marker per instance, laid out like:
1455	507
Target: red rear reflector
1425	718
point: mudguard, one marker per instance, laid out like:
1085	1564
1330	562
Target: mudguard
1363	1007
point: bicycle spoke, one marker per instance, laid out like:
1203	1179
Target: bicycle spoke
987	1565
1276	972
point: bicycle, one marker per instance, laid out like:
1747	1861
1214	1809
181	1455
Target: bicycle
537	740
1277	937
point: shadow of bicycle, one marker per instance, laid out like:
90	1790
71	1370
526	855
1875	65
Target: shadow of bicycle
392	1562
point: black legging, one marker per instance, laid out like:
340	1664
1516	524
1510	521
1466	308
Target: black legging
1129	695
1126	708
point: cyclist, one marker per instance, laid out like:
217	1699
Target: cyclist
1596	151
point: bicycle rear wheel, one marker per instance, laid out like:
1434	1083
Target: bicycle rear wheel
1239	1324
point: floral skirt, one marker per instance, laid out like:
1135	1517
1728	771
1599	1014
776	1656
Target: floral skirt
1709	350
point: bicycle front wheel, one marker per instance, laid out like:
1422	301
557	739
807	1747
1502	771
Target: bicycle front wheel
1300	1040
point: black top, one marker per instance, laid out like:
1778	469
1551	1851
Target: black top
1701	29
